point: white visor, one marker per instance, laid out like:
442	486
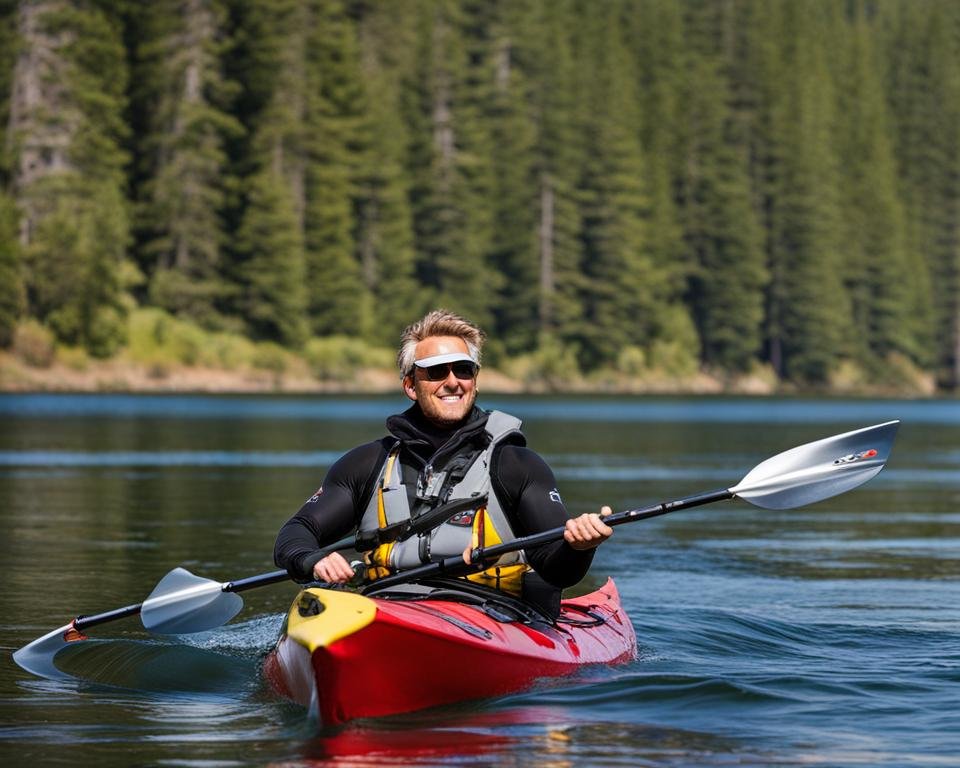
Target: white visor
449	357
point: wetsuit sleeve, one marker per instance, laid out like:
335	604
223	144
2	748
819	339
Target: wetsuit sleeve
331	513
527	491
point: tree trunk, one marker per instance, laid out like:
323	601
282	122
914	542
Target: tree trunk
546	253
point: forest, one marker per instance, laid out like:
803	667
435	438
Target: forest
629	186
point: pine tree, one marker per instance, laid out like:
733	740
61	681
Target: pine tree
269	263
720	224
623	290
337	299
383	217
882	286
449	159
656	27
12	294
921	46
514	194
546	52
67	132
8	58
808	309
182	104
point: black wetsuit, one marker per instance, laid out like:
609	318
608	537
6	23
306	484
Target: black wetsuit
523	482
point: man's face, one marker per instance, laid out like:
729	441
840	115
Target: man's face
445	402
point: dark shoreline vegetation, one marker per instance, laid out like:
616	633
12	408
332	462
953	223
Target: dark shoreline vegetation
629	195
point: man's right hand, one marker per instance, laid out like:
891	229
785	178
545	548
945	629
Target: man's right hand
333	569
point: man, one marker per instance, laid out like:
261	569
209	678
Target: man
450	477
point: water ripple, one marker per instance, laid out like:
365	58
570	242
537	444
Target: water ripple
168	458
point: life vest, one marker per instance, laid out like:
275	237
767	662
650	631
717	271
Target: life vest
455	508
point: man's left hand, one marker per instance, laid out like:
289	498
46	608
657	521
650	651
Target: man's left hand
588	531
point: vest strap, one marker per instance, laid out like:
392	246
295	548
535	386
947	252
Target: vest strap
369	540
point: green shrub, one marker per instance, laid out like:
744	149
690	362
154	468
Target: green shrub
148	332
158	339
74	358
34	344
551	365
268	356
632	361
228	351
673	358
337	358
675	348
107	332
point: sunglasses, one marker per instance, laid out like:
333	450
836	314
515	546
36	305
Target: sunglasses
465	370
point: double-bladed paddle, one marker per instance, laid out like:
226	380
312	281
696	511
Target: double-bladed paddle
183	603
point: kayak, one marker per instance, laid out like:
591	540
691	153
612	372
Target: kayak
346	656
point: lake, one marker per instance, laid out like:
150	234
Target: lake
826	635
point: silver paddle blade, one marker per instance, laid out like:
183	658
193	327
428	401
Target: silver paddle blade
183	603
818	470
37	657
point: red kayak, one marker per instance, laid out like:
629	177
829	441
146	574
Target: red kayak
347	656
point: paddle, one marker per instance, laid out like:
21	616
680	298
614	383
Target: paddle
182	602
794	478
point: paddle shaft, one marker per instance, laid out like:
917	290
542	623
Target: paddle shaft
482	557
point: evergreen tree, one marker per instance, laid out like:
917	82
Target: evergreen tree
67	133
623	293
8	58
514	193
383	216
269	263
449	159
808	308
337	299
182	101
921	47
720	225
547	53
12	292
12	295
882	287
657	28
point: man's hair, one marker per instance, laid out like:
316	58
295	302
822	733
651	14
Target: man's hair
439	322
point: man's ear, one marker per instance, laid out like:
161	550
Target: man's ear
408	389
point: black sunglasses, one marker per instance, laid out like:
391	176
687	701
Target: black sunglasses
465	370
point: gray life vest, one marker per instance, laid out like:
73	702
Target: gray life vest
470	513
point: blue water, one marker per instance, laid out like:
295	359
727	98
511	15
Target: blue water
826	635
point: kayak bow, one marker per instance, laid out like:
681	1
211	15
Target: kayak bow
347	656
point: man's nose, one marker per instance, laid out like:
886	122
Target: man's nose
451	380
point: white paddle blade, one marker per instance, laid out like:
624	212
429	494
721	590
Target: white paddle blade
818	470
37	657
183	603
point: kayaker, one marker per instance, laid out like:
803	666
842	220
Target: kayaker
449	477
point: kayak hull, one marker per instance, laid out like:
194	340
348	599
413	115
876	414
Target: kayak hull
360	657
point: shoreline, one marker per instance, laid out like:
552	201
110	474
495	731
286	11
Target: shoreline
117	375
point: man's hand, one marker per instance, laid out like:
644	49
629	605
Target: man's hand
588	531
333	569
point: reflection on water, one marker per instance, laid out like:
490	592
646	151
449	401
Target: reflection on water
515	736
825	635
